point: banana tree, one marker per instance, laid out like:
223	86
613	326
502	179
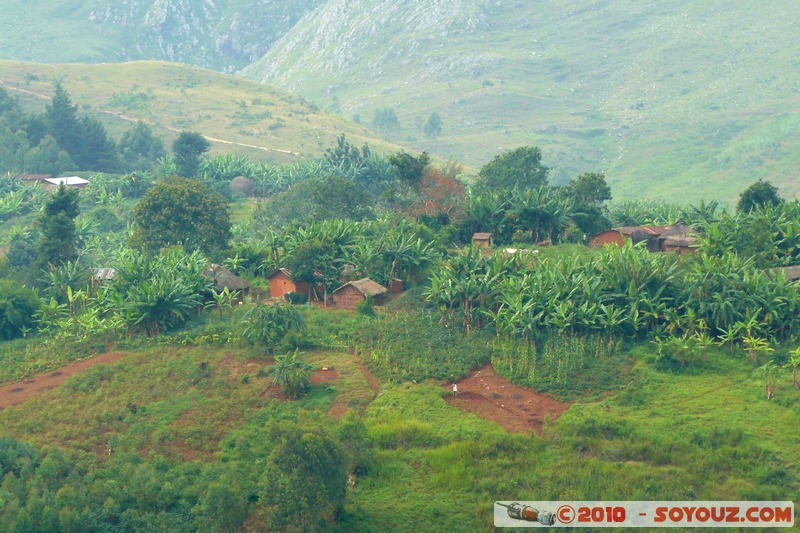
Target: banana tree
769	373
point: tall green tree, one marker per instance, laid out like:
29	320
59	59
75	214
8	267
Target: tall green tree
183	212
759	194
521	168
589	192
57	244
188	148
589	188
305	480
61	118
140	148
410	169
47	158
385	120
433	127
96	150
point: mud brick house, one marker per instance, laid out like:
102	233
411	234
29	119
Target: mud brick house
280	282
619	236
349	294
679	238
483	240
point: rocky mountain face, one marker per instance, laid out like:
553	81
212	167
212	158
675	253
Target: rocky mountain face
651	93
223	35
343	35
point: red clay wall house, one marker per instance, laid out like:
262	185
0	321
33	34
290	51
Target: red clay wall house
281	282
621	235
611	236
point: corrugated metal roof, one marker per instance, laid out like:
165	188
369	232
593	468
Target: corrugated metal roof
366	286
652	230
102	274
67	181
284	270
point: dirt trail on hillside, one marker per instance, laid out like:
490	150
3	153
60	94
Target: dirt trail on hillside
494	398
150	123
22	391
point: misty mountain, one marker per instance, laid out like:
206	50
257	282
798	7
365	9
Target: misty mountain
686	99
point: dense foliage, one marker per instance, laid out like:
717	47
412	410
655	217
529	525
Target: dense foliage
181	212
18	307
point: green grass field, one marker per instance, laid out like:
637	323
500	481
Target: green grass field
708	434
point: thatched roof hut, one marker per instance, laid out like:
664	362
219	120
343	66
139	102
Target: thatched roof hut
349	294
224	278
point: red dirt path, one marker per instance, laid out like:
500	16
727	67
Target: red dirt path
17	393
515	408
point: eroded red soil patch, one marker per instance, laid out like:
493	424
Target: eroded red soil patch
323	376
17	393
514	408
319	377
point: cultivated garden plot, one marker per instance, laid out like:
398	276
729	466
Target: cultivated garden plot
514	408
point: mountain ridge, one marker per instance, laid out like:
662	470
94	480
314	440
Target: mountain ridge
680	100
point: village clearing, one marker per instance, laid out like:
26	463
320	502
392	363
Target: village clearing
483	392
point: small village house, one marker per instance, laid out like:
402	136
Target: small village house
349	294
620	236
280	282
222	278
483	240
68	181
679	238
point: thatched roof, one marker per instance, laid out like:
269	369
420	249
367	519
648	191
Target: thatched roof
481	236
791	272
654	231
366	286
678	230
222	278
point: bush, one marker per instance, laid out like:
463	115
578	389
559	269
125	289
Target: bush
296	298
17	307
366	306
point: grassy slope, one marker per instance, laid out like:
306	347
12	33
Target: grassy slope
277	126
669	99
704	436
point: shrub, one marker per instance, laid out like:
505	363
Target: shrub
366	306
296	298
17	307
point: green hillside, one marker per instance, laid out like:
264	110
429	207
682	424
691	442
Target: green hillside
670	99
237	115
